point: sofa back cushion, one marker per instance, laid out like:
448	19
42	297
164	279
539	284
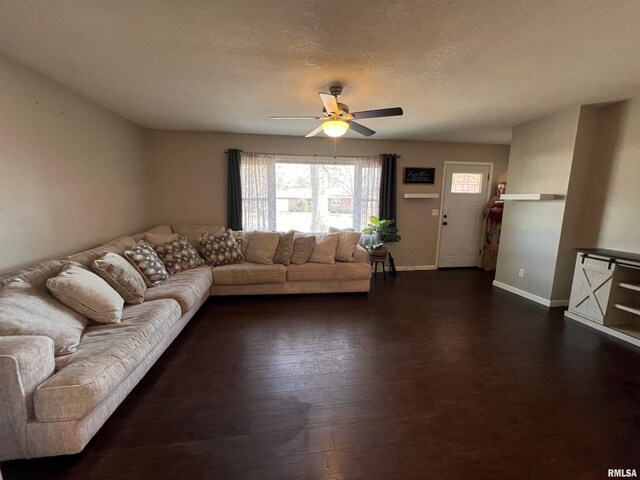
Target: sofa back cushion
37	275
27	310
119	245
86	293
121	276
156	239
262	247
242	237
164	229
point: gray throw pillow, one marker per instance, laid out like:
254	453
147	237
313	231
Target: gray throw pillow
285	248
302	248
27	310
220	249
146	261
121	276
86	293
178	255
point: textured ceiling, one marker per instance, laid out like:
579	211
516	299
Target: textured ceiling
464	71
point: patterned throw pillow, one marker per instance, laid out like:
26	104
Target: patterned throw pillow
220	249
145	260
285	248
178	255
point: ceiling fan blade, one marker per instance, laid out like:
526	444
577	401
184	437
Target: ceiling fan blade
330	103
361	129
295	118
382	112
314	132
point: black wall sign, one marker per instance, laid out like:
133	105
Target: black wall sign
419	175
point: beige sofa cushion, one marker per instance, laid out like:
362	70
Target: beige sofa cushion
36	275
285	248
121	276
155	239
194	232
242	238
146	261
104	358
86	293
347	245
186	287
248	273
163	229
27	310
178	255
341	271
262	247
118	246
302	248
325	249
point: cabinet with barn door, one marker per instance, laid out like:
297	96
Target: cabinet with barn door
605	293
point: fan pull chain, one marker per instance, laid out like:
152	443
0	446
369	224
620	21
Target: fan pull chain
335	146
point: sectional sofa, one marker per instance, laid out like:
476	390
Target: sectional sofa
53	405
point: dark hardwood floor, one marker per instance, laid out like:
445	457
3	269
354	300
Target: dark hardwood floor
432	375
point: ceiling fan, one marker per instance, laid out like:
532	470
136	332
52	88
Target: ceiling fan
336	119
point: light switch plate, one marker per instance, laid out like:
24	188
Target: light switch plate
434	212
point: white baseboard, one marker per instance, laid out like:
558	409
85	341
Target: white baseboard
410	268
614	333
530	296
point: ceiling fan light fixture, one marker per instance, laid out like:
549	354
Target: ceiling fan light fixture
335	127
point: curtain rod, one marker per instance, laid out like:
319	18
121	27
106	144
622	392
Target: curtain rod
314	155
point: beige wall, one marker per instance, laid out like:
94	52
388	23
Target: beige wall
620	224
72	174
540	162
590	155
190	177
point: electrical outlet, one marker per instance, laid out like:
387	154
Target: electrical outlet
521	273
434	212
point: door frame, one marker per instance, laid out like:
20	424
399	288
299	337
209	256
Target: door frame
440	214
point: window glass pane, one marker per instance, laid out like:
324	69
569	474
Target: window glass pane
466	183
313	197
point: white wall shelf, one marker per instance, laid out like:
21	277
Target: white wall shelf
421	195
529	196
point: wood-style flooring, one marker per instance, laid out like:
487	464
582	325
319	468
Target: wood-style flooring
433	375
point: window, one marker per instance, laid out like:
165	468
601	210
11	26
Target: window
466	183
308	193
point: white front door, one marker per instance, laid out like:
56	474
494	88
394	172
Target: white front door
465	196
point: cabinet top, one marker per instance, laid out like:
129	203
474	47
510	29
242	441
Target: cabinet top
616	254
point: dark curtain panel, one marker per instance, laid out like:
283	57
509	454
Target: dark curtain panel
234	190
388	187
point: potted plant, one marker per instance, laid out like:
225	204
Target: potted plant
383	231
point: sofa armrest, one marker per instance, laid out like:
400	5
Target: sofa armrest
25	362
360	255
